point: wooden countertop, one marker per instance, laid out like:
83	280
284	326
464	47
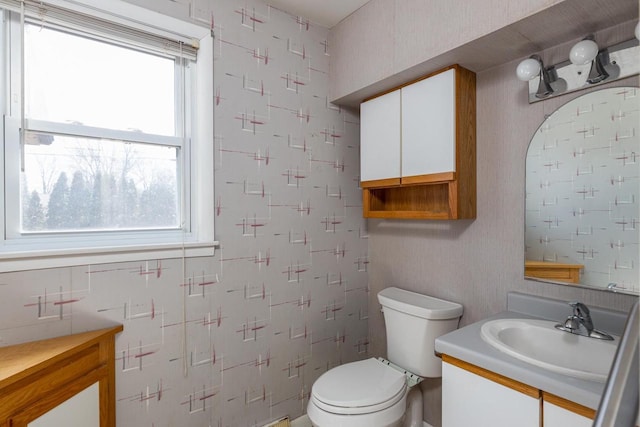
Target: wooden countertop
21	360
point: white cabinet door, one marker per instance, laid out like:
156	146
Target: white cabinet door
555	416
428	125
471	400
81	410
380	137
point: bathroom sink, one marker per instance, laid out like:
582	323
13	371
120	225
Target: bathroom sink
538	342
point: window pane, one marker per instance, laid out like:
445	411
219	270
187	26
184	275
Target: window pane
83	184
73	79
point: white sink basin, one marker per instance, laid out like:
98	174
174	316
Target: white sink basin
538	342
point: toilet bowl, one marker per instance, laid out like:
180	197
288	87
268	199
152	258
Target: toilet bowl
359	394
373	392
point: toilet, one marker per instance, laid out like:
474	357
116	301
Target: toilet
374	392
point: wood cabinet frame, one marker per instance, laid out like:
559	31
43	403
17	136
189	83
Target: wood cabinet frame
449	195
36	377
492	376
522	388
569	405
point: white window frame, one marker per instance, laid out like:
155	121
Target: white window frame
196	236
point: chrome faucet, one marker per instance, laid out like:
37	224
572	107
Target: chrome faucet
580	323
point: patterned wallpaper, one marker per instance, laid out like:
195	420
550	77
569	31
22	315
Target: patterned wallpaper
236	339
583	182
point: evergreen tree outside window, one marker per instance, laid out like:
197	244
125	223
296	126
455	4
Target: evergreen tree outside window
58	207
34	213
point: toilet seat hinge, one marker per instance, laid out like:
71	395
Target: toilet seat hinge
412	379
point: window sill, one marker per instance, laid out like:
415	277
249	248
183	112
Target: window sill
35	260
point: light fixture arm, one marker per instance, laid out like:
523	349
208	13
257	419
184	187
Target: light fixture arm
598	73
547	76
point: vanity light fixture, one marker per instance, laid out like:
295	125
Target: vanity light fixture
588	65
533	67
586	51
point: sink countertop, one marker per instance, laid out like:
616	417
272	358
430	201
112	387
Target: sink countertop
467	344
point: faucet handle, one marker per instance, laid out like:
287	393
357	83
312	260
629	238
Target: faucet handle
581	311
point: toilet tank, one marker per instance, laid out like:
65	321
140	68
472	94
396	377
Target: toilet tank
413	322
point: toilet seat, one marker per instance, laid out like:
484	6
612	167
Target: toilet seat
361	387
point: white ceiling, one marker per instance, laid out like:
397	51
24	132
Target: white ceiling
324	12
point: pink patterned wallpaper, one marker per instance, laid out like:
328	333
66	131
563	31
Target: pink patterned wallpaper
236	339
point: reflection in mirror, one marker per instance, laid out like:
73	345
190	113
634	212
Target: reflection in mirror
582	214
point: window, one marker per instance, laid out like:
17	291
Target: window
107	135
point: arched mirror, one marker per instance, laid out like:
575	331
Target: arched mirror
582	217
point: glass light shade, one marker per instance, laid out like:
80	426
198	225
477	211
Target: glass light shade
583	52
528	69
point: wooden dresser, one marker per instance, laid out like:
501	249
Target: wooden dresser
36	377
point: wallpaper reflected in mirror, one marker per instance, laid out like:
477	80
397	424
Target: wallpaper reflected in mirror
582	218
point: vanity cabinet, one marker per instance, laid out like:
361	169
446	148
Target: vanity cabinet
64	381
475	396
81	410
556	416
472	396
418	149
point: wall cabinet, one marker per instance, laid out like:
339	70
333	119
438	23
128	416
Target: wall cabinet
65	381
428	126
418	149
475	396
380	128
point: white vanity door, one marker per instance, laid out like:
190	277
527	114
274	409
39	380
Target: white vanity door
555	416
380	137
428	125
81	410
471	400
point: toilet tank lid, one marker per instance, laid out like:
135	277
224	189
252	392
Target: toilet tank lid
419	305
